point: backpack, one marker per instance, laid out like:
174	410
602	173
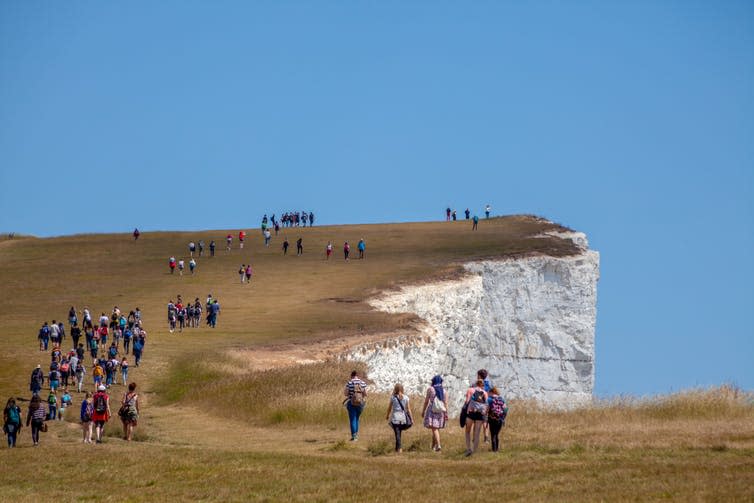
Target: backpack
86	416
52	399
477	403
13	416
113	352
357	397
498	409
64	367
100	403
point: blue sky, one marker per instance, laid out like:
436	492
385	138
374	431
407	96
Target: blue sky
630	121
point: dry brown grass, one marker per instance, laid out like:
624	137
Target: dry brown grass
213	430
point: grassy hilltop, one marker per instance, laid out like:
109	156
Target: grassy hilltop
225	416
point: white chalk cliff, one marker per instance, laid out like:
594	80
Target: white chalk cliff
529	321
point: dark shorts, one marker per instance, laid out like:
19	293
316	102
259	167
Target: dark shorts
476	416
99	423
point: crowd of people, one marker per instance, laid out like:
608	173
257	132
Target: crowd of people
189	315
296	218
68	370
484	410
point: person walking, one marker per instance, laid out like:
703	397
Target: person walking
248	272
138	349
498	411
87	410
346	250
447	214
192	265
476	223
399	414
37	380
11	421
192	248
285	246
212	248
361	246
454	215
435	410
467	213
267	237
476	414
136	234
487	210
181	265
124	370
101	414
299	246
328	250
65	402
355	392
129	411
241	238
98	373
44	337
242	272
35	417
171	264
214	312
228	242
80	375
201	247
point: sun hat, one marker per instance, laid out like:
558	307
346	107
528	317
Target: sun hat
102	387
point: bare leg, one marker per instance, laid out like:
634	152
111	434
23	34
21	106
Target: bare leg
477	430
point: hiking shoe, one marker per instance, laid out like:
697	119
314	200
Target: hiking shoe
468	453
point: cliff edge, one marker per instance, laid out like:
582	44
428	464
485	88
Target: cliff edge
529	321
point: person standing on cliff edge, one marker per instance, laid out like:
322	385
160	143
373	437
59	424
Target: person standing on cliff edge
487	210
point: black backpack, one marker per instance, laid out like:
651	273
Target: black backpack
100	403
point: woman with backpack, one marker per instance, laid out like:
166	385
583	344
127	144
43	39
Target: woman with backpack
36	418
87	410
498	410
11	421
124	370
101	413
129	411
435	411
476	414
399	414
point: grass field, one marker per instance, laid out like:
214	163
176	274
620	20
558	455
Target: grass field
222	420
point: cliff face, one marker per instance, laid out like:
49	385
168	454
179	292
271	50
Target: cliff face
529	321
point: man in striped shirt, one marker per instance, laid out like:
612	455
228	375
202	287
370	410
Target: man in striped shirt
356	395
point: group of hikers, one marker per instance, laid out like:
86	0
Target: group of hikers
484	410
189	315
361	246
67	371
452	215
295	218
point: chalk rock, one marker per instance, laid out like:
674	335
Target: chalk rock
529	321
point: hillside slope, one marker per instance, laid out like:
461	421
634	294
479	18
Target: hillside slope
222	421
